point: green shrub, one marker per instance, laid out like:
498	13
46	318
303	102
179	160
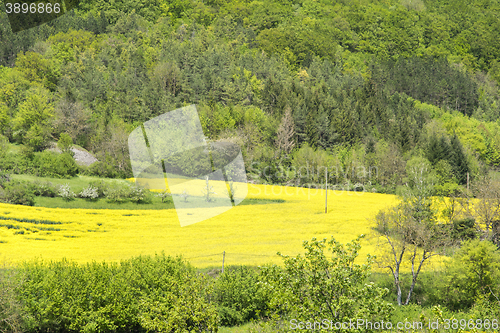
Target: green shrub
100	186
317	286
62	297
44	189
65	143
4	146
17	193
46	163
239	296
142	294
484	307
4	178
473	273
118	193
172	296
464	229
15	163
11	314
50	164
67	166
105	169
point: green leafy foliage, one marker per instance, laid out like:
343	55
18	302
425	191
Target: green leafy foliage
65	142
16	192
4	146
49	164
464	229
100	186
44	189
140	195
118	192
316	286
32	123
139	294
239	296
11	314
472	273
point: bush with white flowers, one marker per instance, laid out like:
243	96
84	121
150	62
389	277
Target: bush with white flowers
140	195
66	193
89	193
164	195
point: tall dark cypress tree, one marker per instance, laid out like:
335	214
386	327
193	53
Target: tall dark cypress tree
458	160
438	149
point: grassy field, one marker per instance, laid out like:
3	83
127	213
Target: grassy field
76	183
249	234
80	182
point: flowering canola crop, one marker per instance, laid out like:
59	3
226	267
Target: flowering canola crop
249	234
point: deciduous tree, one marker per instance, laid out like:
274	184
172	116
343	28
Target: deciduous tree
32	124
487	208
318	286
473	271
410	229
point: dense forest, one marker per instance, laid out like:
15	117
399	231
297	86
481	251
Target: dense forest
355	85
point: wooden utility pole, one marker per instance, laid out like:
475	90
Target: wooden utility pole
223	256
326	191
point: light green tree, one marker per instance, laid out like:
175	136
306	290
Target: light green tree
4	117
32	124
318	286
473	272
65	143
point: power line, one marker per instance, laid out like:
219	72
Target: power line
232	253
207	255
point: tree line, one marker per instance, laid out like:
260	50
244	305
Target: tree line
346	96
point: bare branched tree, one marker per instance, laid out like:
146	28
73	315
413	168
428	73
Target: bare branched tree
74	119
286	132
487	209
410	229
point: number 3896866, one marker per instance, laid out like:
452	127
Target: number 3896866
33	8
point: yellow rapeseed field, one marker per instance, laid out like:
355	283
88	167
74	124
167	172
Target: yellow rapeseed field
249	234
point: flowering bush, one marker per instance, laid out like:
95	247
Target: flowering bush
89	193
140	195
164	195
66	193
